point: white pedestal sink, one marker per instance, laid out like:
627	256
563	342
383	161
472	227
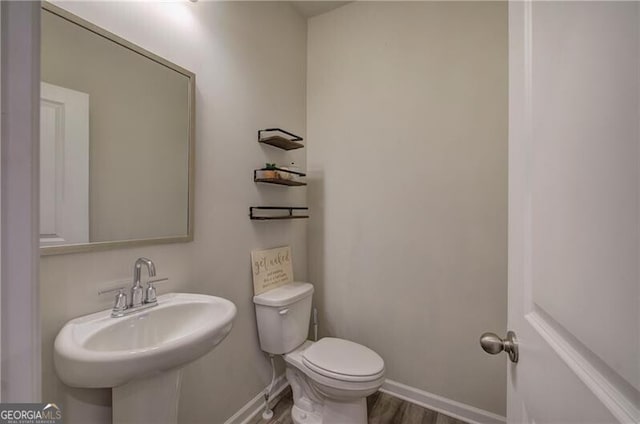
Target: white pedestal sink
140	355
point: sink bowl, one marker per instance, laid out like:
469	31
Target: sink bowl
100	351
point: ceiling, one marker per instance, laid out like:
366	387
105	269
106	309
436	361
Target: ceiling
309	9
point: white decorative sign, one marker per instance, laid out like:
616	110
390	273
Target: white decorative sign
271	268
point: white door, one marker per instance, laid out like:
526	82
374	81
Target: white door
64	166
574	192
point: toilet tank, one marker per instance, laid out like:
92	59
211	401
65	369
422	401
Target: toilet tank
283	317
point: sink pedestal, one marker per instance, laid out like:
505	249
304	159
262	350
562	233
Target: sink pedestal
149	400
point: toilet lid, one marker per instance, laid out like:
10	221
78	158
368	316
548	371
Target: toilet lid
332	356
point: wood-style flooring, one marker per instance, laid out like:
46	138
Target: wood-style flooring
382	409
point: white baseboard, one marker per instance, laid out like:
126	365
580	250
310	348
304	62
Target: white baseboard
256	405
452	408
449	407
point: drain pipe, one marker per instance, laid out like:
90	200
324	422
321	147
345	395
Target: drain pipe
268	413
315	324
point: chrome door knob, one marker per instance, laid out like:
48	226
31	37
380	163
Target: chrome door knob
493	344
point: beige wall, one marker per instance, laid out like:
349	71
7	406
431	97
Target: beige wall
139	127
250	61
407	154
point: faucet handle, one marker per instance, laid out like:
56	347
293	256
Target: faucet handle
120	302
150	292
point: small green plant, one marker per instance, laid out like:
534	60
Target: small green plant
270	166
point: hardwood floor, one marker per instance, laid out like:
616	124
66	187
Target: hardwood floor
382	409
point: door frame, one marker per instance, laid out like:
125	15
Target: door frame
20	334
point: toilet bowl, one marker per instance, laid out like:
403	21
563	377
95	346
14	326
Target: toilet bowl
327	390
330	378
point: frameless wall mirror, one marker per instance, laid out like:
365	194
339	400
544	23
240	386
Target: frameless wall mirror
117	140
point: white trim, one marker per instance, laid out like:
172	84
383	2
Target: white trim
21	340
603	386
452	408
1	397
256	405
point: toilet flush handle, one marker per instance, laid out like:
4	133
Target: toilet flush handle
283	311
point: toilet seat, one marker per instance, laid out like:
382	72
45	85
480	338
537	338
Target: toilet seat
343	360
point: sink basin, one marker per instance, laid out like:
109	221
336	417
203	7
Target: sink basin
100	351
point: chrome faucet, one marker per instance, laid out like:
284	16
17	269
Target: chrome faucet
140	299
136	290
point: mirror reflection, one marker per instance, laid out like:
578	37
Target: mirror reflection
116	139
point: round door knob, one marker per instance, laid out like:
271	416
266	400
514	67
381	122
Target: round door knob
493	344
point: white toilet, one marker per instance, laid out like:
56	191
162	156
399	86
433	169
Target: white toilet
330	378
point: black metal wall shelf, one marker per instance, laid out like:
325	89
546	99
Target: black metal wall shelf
289	209
280	141
279	181
284	140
